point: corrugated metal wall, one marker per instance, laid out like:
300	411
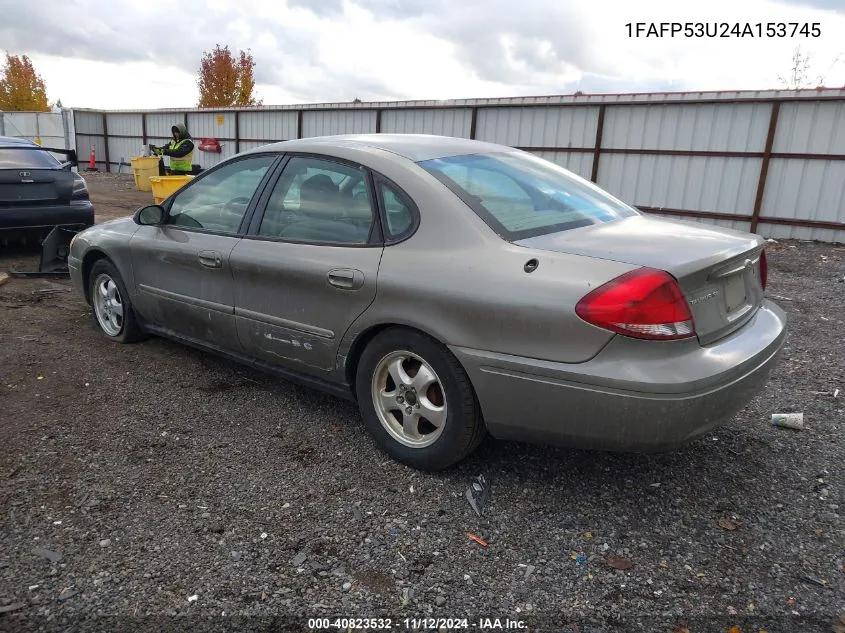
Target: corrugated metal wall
451	122
90	134
343	122
807	188
122	142
772	159
49	129
539	127
265	126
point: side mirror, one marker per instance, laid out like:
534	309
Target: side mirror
152	215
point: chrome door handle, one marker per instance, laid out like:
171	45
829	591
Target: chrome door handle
210	259
346	278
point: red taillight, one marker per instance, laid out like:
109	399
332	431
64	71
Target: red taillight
764	269
644	303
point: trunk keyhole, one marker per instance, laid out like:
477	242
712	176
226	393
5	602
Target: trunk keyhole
531	265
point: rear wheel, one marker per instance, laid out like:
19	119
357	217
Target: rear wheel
417	401
112	308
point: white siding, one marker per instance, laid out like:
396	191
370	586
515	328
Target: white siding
205	125
707	127
124	125
46	128
811	128
452	122
88	122
538	127
806	190
158	125
580	163
267	126
329	123
721	185
124	148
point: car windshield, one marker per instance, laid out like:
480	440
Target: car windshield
520	195
13	158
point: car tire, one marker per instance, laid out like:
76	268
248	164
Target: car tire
431	384
110	304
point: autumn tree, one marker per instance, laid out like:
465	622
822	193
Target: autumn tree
21	88
226	80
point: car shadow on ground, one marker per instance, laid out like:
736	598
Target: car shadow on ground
716	454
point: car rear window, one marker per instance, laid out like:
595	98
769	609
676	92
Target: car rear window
520	195
13	158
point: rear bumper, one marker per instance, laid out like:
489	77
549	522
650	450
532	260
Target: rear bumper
44	218
634	395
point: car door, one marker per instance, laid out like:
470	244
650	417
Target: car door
182	275
308	268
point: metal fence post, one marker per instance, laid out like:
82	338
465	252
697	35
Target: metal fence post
106	142
594	175
237	132
764	168
66	128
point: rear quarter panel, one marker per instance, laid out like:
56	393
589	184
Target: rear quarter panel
482	298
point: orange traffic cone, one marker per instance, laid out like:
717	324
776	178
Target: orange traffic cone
92	161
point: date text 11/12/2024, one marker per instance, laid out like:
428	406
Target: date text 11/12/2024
415	624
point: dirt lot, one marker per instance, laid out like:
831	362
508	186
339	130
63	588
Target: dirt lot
151	480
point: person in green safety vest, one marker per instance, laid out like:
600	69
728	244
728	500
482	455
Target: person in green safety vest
180	150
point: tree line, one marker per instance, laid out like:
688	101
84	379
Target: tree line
227	79
224	79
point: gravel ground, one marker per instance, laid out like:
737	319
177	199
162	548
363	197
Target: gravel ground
149	481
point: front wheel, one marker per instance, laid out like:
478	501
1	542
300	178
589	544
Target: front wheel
417	400
113	313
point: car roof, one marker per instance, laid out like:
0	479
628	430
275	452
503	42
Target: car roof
415	147
8	141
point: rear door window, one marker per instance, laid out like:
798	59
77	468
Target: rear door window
319	201
397	212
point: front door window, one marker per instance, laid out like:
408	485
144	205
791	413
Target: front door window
219	200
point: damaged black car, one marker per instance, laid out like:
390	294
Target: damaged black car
38	192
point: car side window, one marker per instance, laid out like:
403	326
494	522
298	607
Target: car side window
400	218
317	200
218	201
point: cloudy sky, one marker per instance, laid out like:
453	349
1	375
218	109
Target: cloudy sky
132	54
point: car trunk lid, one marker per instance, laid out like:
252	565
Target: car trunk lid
717	269
29	187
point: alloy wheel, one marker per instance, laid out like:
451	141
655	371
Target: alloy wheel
409	399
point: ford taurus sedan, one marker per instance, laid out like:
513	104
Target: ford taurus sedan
452	288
